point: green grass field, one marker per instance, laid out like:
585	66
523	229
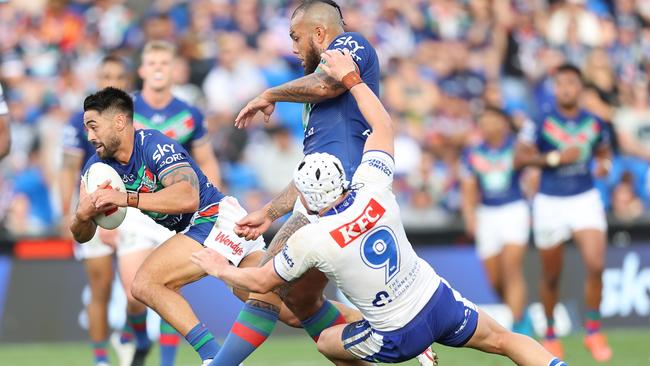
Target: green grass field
631	348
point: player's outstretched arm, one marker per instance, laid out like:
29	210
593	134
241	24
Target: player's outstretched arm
256	223
340	66
252	279
313	88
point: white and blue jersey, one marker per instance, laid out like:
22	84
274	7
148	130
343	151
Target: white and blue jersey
336	126
361	246
493	168
154	156
557	132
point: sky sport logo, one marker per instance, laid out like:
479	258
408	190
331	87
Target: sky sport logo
346	233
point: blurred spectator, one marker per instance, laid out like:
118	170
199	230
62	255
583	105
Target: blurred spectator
274	158
31	210
626	205
443	60
233	81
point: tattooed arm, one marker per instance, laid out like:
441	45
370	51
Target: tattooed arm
180	195
313	88
256	223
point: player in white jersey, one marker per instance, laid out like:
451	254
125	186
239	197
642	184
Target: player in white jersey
359	242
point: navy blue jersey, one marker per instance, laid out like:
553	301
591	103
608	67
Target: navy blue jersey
336	126
75	138
556	132
493	168
178	120
154	156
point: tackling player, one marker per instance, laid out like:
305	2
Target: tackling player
359	242
496	213
333	124
165	183
563	144
131	246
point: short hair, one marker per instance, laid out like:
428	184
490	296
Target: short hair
501	113
569	68
306	4
110	99
116	60
159	45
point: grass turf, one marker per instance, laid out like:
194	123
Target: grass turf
631	348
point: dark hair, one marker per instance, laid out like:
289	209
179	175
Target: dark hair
306	4
501	113
570	68
110	99
112	58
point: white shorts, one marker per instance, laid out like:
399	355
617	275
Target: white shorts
497	226
94	248
137	232
222	237
556	218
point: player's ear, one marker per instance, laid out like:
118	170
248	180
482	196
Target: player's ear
120	121
319	34
141	71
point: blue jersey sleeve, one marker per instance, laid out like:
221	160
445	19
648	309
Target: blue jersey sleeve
605	136
74	135
466	169
163	154
360	49
529	133
200	130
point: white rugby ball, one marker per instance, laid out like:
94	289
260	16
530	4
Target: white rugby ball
97	174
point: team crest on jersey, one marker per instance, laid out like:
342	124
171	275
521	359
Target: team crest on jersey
346	233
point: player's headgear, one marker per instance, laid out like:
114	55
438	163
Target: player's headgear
321	180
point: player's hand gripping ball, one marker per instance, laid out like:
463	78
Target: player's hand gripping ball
97	174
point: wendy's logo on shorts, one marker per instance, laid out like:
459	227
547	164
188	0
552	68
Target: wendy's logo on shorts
224	240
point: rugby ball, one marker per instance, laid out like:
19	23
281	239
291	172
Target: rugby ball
97	174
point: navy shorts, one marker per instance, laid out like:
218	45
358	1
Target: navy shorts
448	319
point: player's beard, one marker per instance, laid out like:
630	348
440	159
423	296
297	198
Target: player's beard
312	58
109	147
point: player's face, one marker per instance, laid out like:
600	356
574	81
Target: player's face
101	133
113	74
568	88
492	125
304	46
156	70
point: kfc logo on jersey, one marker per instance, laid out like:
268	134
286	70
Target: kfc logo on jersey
161	150
351	45
224	240
345	234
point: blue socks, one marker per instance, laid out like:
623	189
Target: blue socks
203	342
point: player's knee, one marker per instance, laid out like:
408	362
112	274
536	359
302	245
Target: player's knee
303	305
141	288
325	341
595	267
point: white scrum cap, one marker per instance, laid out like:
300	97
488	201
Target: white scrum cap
321	180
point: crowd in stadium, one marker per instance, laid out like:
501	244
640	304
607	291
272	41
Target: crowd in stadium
443	61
